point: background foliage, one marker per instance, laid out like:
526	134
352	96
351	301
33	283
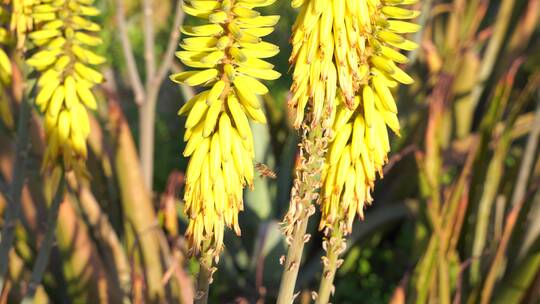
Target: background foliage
455	219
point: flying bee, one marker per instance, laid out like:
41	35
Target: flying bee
264	170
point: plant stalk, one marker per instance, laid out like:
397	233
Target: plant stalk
334	247
493	49
46	245
204	279
17	182
147	120
304	193
292	262
137	203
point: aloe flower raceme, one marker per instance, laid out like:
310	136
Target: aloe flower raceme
227	52
360	144
341	44
368	37
63	35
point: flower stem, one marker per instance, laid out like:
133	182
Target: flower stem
17	183
334	247
204	278
292	264
46	245
304	193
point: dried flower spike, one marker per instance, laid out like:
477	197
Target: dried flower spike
227	51
63	35
371	31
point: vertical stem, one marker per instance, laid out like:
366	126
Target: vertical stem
204	279
292	262
137	203
46	245
148	29
17	182
527	163
334	247
304	192
147	119
147	111
493	49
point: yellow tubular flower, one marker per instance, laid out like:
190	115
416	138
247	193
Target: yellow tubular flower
5	71
21	19
228	51
62	56
367	36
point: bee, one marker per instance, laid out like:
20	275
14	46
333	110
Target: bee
264	170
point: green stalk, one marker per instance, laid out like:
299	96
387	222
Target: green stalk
494	176
304	192
140	217
334	247
204	278
46	245
494	47
517	201
292	262
515	285
17	182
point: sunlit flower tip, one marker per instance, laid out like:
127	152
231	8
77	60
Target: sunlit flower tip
63	36
228	55
343	44
360	142
21	19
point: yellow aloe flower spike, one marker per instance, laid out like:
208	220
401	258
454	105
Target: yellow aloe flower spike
63	36
227	53
372	31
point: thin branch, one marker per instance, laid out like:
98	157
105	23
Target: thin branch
529	156
46	245
149	38
133	72
13	197
498	260
493	49
171	46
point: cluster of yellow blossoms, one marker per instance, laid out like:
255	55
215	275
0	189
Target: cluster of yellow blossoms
63	35
228	52
345	58
21	19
